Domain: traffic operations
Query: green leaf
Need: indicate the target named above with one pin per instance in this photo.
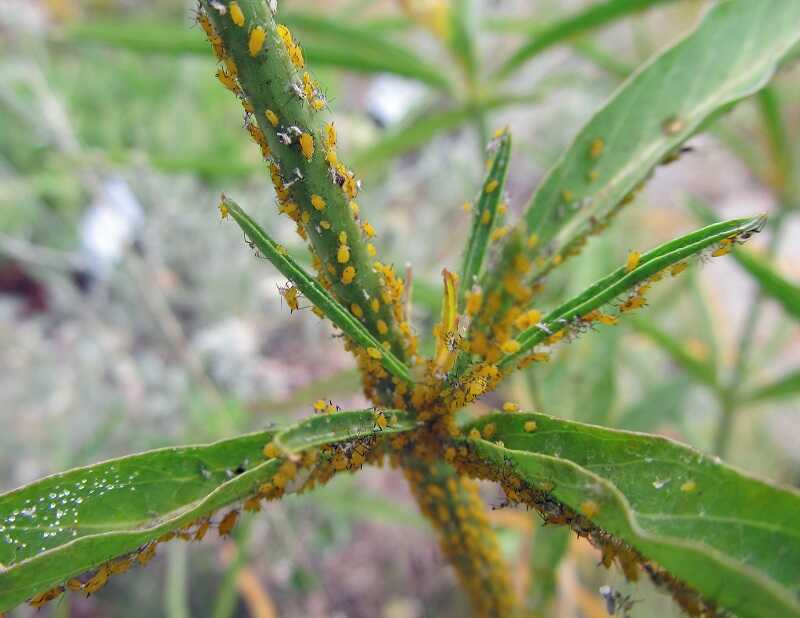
(486, 207)
(423, 127)
(697, 368)
(341, 426)
(313, 291)
(329, 43)
(771, 281)
(620, 281)
(68, 523)
(550, 545)
(660, 404)
(786, 386)
(732, 54)
(463, 33)
(594, 16)
(733, 538)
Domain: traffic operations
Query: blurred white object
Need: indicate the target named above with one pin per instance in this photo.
(389, 99)
(109, 228)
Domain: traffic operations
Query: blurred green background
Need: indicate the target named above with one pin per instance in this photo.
(131, 318)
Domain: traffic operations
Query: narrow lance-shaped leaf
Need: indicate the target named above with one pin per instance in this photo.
(423, 127)
(730, 537)
(594, 16)
(732, 54)
(624, 279)
(66, 524)
(786, 386)
(330, 42)
(313, 290)
(696, 367)
(341, 426)
(771, 281)
(483, 218)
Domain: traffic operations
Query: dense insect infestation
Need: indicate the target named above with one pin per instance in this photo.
(427, 404)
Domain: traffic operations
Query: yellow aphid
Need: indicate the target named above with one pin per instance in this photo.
(590, 508)
(343, 254)
(528, 319)
(383, 329)
(252, 504)
(321, 404)
(499, 233)
(489, 431)
(318, 104)
(342, 237)
(688, 487)
(307, 145)
(228, 81)
(228, 522)
(511, 346)
(285, 35)
(296, 56)
(380, 421)
(144, 556)
(474, 434)
(673, 125)
(375, 305)
(290, 295)
(237, 16)
(317, 202)
(348, 274)
(272, 117)
(223, 210)
(369, 231)
(356, 310)
(101, 577)
(330, 135)
(529, 426)
(632, 261)
(608, 320)
(256, 41)
(371, 250)
(271, 450)
(678, 268)
(533, 240)
(596, 147)
(510, 406)
(466, 206)
(721, 250)
(375, 353)
(486, 217)
(502, 208)
(474, 301)
(325, 224)
(634, 302)
(45, 597)
(491, 186)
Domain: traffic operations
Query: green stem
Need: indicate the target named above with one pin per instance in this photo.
(728, 397)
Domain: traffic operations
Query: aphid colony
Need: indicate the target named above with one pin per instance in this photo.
(518, 492)
(460, 520)
(338, 262)
(92, 581)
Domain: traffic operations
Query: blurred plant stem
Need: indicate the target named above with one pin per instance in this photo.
(781, 179)
(176, 593)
